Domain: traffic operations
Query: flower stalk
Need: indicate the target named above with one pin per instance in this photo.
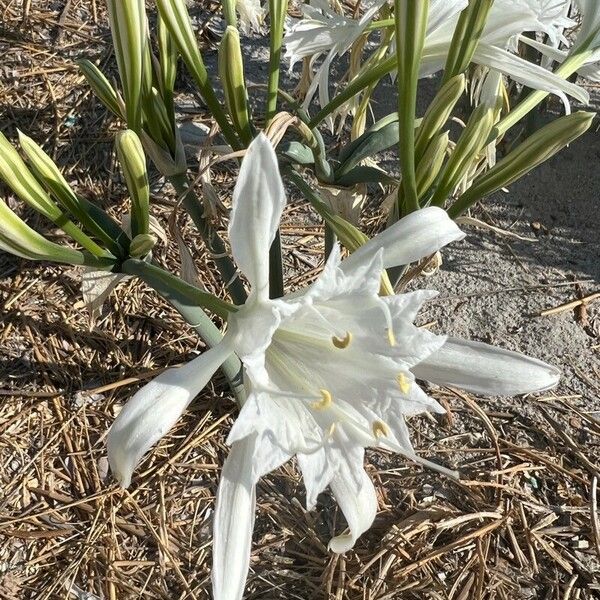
(411, 24)
(277, 14)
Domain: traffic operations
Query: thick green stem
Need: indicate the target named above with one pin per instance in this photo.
(175, 292)
(169, 284)
(213, 241)
(411, 23)
(467, 33)
(357, 85)
(277, 12)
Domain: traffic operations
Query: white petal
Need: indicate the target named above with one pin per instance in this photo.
(155, 408)
(443, 11)
(317, 473)
(257, 205)
(527, 73)
(487, 370)
(356, 497)
(419, 234)
(234, 522)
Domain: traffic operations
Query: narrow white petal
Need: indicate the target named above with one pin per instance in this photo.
(527, 73)
(234, 522)
(419, 234)
(487, 370)
(317, 472)
(356, 497)
(155, 408)
(257, 205)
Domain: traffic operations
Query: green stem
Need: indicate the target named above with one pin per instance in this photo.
(411, 23)
(277, 12)
(171, 288)
(384, 23)
(467, 33)
(330, 240)
(211, 238)
(357, 85)
(229, 12)
(82, 239)
(167, 284)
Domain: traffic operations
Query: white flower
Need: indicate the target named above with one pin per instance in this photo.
(329, 371)
(321, 30)
(587, 39)
(507, 20)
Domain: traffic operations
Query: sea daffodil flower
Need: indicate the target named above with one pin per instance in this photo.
(323, 32)
(329, 371)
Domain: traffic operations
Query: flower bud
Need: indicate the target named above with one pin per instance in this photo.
(102, 88)
(536, 149)
(128, 24)
(133, 162)
(231, 73)
(470, 144)
(18, 238)
(438, 112)
(141, 245)
(430, 164)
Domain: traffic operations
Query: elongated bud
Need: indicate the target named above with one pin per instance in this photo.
(141, 245)
(231, 73)
(430, 164)
(17, 176)
(18, 238)
(438, 112)
(93, 218)
(467, 33)
(128, 25)
(536, 149)
(133, 162)
(102, 88)
(469, 146)
(167, 57)
(176, 18)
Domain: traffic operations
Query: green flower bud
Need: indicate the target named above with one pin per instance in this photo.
(133, 162)
(438, 112)
(536, 149)
(102, 88)
(430, 164)
(18, 238)
(141, 245)
(468, 148)
(128, 24)
(231, 73)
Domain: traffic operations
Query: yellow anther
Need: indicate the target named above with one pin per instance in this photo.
(391, 337)
(324, 402)
(342, 342)
(403, 383)
(380, 429)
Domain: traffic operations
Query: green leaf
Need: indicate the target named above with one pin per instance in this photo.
(366, 174)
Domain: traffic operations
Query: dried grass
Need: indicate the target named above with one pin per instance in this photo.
(522, 523)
